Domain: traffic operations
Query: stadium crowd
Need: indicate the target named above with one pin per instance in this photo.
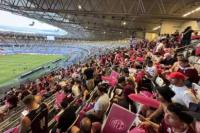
(85, 92)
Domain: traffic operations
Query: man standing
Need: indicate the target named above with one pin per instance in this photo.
(88, 76)
(35, 117)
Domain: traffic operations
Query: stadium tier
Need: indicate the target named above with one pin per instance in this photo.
(99, 66)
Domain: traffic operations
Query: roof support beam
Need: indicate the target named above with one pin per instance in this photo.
(146, 16)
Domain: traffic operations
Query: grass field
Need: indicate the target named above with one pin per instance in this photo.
(11, 66)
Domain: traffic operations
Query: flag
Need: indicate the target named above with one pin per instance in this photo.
(119, 120)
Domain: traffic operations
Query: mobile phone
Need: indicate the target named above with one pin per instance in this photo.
(25, 112)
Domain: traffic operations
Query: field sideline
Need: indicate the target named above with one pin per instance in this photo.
(11, 66)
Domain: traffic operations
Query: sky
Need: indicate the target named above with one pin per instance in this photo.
(11, 20)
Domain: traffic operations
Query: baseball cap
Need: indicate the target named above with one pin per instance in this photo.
(166, 92)
(177, 75)
(166, 55)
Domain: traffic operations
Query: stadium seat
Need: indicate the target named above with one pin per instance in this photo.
(159, 81)
(193, 59)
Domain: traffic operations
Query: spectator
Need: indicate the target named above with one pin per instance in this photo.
(69, 98)
(164, 95)
(187, 34)
(160, 46)
(159, 57)
(168, 61)
(4, 110)
(191, 74)
(183, 95)
(124, 99)
(86, 126)
(126, 73)
(66, 118)
(100, 106)
(57, 87)
(120, 86)
(75, 89)
(150, 71)
(86, 94)
(88, 76)
(36, 118)
(176, 65)
(174, 121)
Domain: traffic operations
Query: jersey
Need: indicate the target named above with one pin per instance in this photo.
(39, 119)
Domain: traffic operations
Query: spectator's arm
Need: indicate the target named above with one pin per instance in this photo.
(173, 67)
(25, 123)
(47, 106)
(169, 66)
(152, 127)
(84, 96)
(156, 113)
(84, 76)
(189, 97)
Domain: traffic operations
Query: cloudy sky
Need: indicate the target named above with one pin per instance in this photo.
(9, 19)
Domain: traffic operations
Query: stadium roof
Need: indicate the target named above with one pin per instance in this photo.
(103, 19)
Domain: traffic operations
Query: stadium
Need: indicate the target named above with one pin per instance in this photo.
(99, 66)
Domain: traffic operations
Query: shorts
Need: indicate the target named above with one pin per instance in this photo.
(90, 84)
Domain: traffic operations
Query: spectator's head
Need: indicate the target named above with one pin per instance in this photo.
(87, 65)
(78, 81)
(175, 118)
(131, 81)
(167, 56)
(85, 125)
(84, 87)
(180, 56)
(176, 78)
(150, 63)
(122, 81)
(48, 89)
(126, 72)
(30, 102)
(164, 94)
(66, 90)
(184, 62)
(158, 54)
(72, 83)
(101, 90)
(64, 104)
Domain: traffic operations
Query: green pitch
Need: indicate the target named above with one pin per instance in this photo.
(11, 66)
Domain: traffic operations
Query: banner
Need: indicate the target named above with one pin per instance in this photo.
(119, 120)
(133, 42)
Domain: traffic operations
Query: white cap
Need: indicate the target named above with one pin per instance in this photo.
(166, 55)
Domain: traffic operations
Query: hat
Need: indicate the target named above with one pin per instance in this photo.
(177, 75)
(193, 114)
(166, 55)
(166, 92)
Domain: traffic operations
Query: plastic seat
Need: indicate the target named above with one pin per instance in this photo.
(159, 81)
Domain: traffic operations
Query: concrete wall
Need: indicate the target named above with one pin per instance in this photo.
(193, 24)
(169, 27)
(151, 36)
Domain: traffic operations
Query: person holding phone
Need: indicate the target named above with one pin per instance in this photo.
(35, 118)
